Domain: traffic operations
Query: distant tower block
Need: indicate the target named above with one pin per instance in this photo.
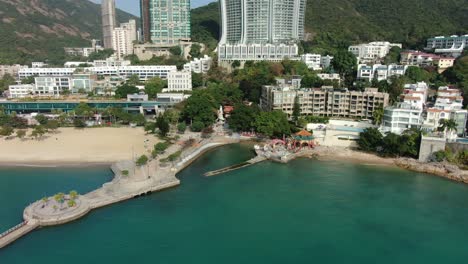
(108, 22)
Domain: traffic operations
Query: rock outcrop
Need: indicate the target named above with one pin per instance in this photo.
(441, 169)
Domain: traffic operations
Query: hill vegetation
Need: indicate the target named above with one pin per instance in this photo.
(333, 24)
(39, 29)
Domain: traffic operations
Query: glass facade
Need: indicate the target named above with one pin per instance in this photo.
(169, 21)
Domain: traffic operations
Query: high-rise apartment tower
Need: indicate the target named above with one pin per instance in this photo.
(260, 29)
(165, 21)
(262, 21)
(108, 21)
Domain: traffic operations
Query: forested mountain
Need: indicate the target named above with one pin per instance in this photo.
(39, 29)
(338, 23)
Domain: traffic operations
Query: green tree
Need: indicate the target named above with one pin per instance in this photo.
(125, 89)
(195, 51)
(154, 86)
(197, 126)
(21, 133)
(235, 64)
(52, 125)
(344, 62)
(378, 115)
(150, 127)
(100, 55)
(197, 80)
(273, 123)
(370, 139)
(38, 132)
(163, 125)
(181, 127)
(73, 195)
(296, 110)
(393, 56)
(159, 149)
(138, 119)
(447, 125)
(6, 131)
(201, 106)
(416, 74)
(176, 51)
(5, 82)
(142, 160)
(41, 119)
(79, 123)
(84, 110)
(311, 80)
(243, 117)
(133, 80)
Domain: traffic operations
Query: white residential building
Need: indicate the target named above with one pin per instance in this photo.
(448, 105)
(123, 38)
(111, 62)
(329, 76)
(38, 64)
(144, 73)
(452, 45)
(380, 72)
(408, 113)
(201, 65)
(260, 30)
(171, 97)
(20, 91)
(373, 51)
(257, 52)
(52, 86)
(179, 81)
(316, 62)
(29, 72)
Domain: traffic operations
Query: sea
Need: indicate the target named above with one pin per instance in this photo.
(306, 211)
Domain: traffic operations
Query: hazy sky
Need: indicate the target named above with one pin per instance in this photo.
(133, 6)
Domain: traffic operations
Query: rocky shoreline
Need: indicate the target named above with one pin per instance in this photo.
(441, 169)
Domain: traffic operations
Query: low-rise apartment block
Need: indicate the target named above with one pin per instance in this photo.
(324, 101)
(373, 51)
(380, 72)
(316, 62)
(179, 81)
(421, 59)
(199, 65)
(452, 45)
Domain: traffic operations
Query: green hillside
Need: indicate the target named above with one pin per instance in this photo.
(338, 23)
(38, 30)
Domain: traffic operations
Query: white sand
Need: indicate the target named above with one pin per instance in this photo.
(76, 146)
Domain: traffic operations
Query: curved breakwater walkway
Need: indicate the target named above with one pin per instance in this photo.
(130, 181)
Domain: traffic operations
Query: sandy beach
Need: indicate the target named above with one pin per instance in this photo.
(345, 154)
(70, 146)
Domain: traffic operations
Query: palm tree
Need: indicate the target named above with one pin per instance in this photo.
(447, 125)
(73, 195)
(378, 115)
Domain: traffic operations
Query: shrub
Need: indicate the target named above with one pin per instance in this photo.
(197, 126)
(142, 160)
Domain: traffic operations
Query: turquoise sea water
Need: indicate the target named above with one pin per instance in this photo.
(303, 212)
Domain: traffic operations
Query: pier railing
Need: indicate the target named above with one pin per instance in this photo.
(13, 229)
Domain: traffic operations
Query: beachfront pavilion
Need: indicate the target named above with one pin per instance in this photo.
(303, 138)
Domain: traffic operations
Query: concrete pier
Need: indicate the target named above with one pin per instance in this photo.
(136, 181)
(250, 162)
